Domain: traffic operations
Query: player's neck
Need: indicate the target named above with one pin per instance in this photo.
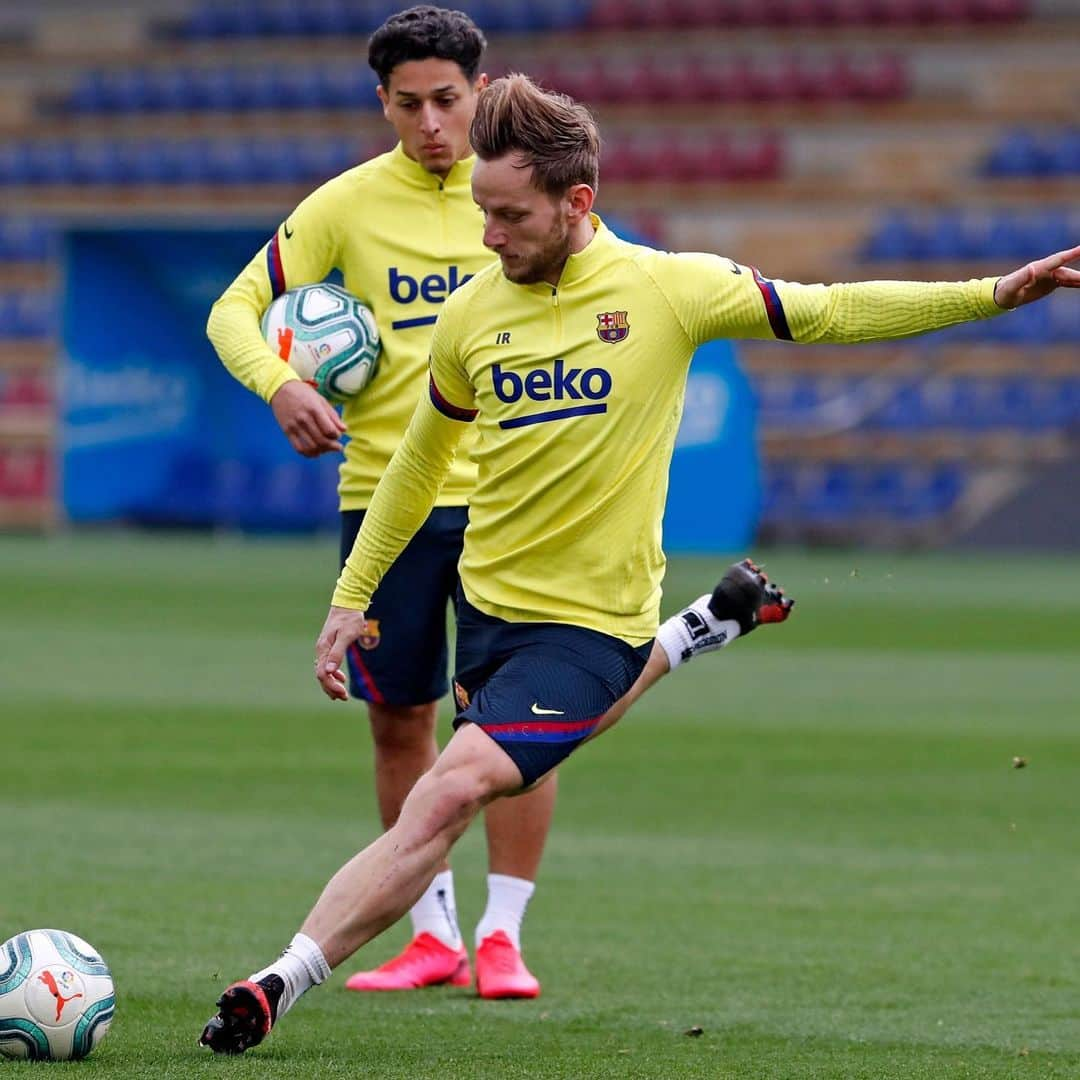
(442, 174)
(580, 237)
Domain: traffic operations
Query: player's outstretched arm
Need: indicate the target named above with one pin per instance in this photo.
(309, 421)
(1038, 279)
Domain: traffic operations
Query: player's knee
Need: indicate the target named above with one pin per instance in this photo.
(451, 798)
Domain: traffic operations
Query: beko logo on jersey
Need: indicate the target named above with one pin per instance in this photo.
(561, 383)
(432, 288)
(542, 385)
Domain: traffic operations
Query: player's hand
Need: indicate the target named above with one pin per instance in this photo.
(342, 627)
(310, 422)
(1038, 279)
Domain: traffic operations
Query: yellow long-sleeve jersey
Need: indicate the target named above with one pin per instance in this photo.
(403, 240)
(576, 393)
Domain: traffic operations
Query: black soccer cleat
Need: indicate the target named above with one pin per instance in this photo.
(246, 1013)
(746, 595)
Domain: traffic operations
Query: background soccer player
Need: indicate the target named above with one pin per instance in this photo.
(562, 564)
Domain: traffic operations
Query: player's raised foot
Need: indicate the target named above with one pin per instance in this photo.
(746, 595)
(246, 1013)
(742, 600)
(426, 961)
(500, 971)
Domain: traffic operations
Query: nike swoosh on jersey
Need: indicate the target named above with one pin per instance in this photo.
(537, 711)
(288, 232)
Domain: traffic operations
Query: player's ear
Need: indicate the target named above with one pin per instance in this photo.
(384, 99)
(481, 82)
(579, 200)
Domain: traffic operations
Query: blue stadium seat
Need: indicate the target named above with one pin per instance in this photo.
(282, 18)
(896, 238)
(26, 240)
(1063, 319)
(780, 482)
(1019, 153)
(170, 90)
(88, 93)
(950, 236)
(1049, 230)
(349, 86)
(275, 161)
(1065, 154)
(328, 18)
(27, 315)
(906, 410)
(1007, 236)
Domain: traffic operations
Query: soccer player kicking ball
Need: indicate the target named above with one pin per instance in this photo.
(570, 358)
(405, 232)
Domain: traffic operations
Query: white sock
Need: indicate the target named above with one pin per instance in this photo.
(300, 967)
(435, 912)
(693, 631)
(508, 897)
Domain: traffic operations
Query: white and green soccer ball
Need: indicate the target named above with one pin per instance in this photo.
(56, 996)
(326, 336)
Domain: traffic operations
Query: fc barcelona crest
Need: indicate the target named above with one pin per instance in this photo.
(371, 636)
(612, 326)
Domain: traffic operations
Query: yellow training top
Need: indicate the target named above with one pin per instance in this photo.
(576, 393)
(404, 240)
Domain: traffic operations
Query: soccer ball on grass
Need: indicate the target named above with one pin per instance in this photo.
(56, 996)
(326, 336)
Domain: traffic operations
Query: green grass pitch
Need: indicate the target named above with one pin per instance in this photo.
(813, 846)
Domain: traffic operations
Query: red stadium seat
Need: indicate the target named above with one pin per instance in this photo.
(755, 157)
(999, 10)
(617, 80)
(881, 78)
(608, 15)
(618, 161)
(704, 156)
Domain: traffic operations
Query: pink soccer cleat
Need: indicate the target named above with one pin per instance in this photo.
(500, 971)
(426, 961)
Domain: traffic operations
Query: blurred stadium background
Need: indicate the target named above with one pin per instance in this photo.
(817, 139)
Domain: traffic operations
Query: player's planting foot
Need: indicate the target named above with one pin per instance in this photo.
(246, 1013)
(500, 971)
(426, 961)
(743, 600)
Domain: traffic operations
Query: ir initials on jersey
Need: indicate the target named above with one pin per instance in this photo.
(502, 337)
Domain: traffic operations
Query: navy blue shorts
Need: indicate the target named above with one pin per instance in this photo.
(538, 689)
(403, 658)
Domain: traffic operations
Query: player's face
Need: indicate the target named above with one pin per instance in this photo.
(528, 229)
(430, 103)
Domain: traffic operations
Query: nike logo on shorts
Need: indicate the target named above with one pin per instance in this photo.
(537, 711)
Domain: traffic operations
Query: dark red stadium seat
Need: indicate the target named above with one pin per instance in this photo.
(608, 15)
(617, 80)
(755, 157)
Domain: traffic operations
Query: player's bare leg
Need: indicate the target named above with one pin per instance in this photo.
(517, 830)
(372, 890)
(405, 748)
(378, 885)
(743, 600)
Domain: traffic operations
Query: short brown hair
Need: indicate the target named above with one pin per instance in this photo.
(554, 134)
(423, 32)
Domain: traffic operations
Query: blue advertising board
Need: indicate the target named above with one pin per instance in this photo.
(154, 430)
